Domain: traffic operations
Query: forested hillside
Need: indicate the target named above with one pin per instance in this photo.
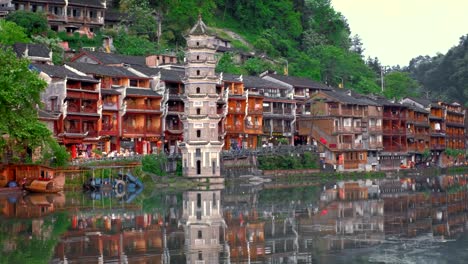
(308, 36)
(444, 76)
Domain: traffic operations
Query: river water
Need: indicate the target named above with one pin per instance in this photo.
(419, 220)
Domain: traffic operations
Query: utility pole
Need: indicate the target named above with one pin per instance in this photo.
(381, 77)
(382, 73)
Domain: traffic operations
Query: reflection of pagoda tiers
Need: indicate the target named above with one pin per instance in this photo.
(202, 220)
(201, 146)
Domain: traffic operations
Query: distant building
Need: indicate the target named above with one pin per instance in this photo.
(83, 16)
(36, 53)
(6, 7)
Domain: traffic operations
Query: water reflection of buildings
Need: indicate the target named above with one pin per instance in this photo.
(120, 234)
(441, 210)
(204, 226)
(30, 206)
(259, 224)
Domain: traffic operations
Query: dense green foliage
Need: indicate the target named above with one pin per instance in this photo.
(55, 155)
(155, 163)
(399, 84)
(34, 23)
(284, 162)
(11, 33)
(20, 128)
(444, 77)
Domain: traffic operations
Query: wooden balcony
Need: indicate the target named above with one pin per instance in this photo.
(77, 131)
(375, 129)
(234, 129)
(278, 111)
(84, 109)
(142, 108)
(236, 110)
(343, 129)
(399, 116)
(358, 146)
(256, 129)
(109, 127)
(142, 130)
(350, 164)
(53, 17)
(347, 112)
(110, 106)
(393, 148)
(343, 146)
(375, 145)
(255, 111)
(393, 131)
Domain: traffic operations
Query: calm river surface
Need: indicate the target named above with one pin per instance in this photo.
(375, 221)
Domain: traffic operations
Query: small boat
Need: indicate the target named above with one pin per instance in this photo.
(43, 186)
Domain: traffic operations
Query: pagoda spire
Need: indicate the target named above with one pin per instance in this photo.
(199, 28)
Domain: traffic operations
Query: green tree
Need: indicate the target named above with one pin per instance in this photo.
(227, 65)
(155, 163)
(55, 155)
(141, 22)
(34, 23)
(19, 96)
(399, 84)
(255, 66)
(11, 33)
(133, 45)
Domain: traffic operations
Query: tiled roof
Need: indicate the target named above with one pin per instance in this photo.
(383, 101)
(147, 70)
(61, 72)
(109, 91)
(224, 49)
(257, 82)
(111, 58)
(102, 70)
(299, 81)
(231, 77)
(421, 101)
(45, 115)
(36, 50)
(95, 3)
(144, 92)
(416, 108)
(344, 97)
(363, 98)
(57, 1)
(172, 75)
(166, 75)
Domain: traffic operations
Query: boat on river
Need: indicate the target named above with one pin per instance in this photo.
(30, 177)
(43, 186)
